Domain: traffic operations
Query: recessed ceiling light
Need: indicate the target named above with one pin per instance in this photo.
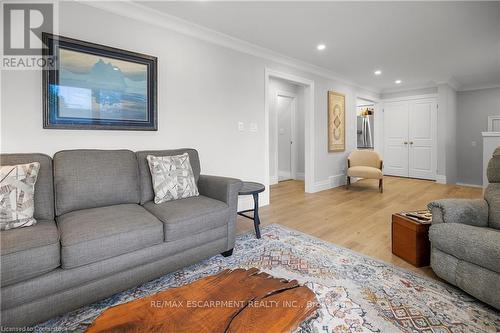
(321, 47)
(377, 72)
(398, 82)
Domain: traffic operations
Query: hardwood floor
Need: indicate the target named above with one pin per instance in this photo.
(358, 218)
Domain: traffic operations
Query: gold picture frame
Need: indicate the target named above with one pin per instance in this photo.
(336, 121)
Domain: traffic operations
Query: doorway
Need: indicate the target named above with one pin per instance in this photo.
(285, 113)
(286, 131)
(296, 94)
(365, 123)
(410, 138)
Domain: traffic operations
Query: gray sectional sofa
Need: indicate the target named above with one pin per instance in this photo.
(465, 240)
(99, 232)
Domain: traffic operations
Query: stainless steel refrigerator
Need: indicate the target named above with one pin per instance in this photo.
(365, 132)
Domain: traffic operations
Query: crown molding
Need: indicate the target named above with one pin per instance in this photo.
(479, 87)
(408, 88)
(452, 82)
(136, 11)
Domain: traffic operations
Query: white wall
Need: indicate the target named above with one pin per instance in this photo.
(447, 133)
(204, 90)
(474, 107)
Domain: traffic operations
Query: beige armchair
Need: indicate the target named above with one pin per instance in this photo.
(365, 164)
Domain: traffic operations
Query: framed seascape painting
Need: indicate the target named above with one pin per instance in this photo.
(336, 121)
(92, 86)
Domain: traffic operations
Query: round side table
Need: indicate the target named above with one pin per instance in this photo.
(252, 188)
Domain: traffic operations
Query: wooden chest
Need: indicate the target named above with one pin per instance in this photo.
(410, 240)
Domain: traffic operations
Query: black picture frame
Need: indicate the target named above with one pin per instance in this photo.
(52, 118)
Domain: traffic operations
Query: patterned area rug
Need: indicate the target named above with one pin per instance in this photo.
(357, 293)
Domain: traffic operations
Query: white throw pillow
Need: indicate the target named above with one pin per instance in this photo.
(17, 195)
(172, 177)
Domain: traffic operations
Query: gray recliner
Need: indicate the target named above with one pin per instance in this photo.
(465, 240)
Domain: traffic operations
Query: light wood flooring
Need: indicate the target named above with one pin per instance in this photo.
(358, 218)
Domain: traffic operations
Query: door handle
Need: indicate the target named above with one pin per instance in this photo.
(411, 142)
(405, 142)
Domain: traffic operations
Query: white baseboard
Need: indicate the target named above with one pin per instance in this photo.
(470, 185)
(441, 179)
(300, 176)
(321, 186)
(331, 182)
(274, 180)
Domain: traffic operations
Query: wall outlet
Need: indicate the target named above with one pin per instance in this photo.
(253, 127)
(473, 143)
(241, 126)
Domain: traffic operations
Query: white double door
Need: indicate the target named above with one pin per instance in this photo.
(410, 138)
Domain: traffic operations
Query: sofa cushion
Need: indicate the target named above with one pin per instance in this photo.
(44, 190)
(364, 172)
(29, 252)
(95, 178)
(17, 195)
(147, 193)
(172, 177)
(184, 217)
(478, 245)
(95, 234)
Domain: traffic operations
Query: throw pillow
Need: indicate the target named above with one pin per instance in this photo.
(172, 177)
(17, 195)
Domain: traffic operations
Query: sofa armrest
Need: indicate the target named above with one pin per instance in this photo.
(220, 188)
(226, 190)
(465, 211)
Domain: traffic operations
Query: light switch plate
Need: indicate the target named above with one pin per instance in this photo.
(253, 127)
(241, 126)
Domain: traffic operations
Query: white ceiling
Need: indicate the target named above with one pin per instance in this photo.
(421, 43)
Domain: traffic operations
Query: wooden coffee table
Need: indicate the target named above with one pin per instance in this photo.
(237, 300)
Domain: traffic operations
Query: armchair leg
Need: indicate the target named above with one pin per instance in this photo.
(381, 185)
(227, 253)
(348, 183)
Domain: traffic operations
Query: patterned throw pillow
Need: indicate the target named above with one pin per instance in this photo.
(172, 177)
(17, 195)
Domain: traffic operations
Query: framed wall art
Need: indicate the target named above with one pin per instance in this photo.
(336, 121)
(92, 86)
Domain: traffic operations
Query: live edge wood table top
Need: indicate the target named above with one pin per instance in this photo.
(237, 300)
